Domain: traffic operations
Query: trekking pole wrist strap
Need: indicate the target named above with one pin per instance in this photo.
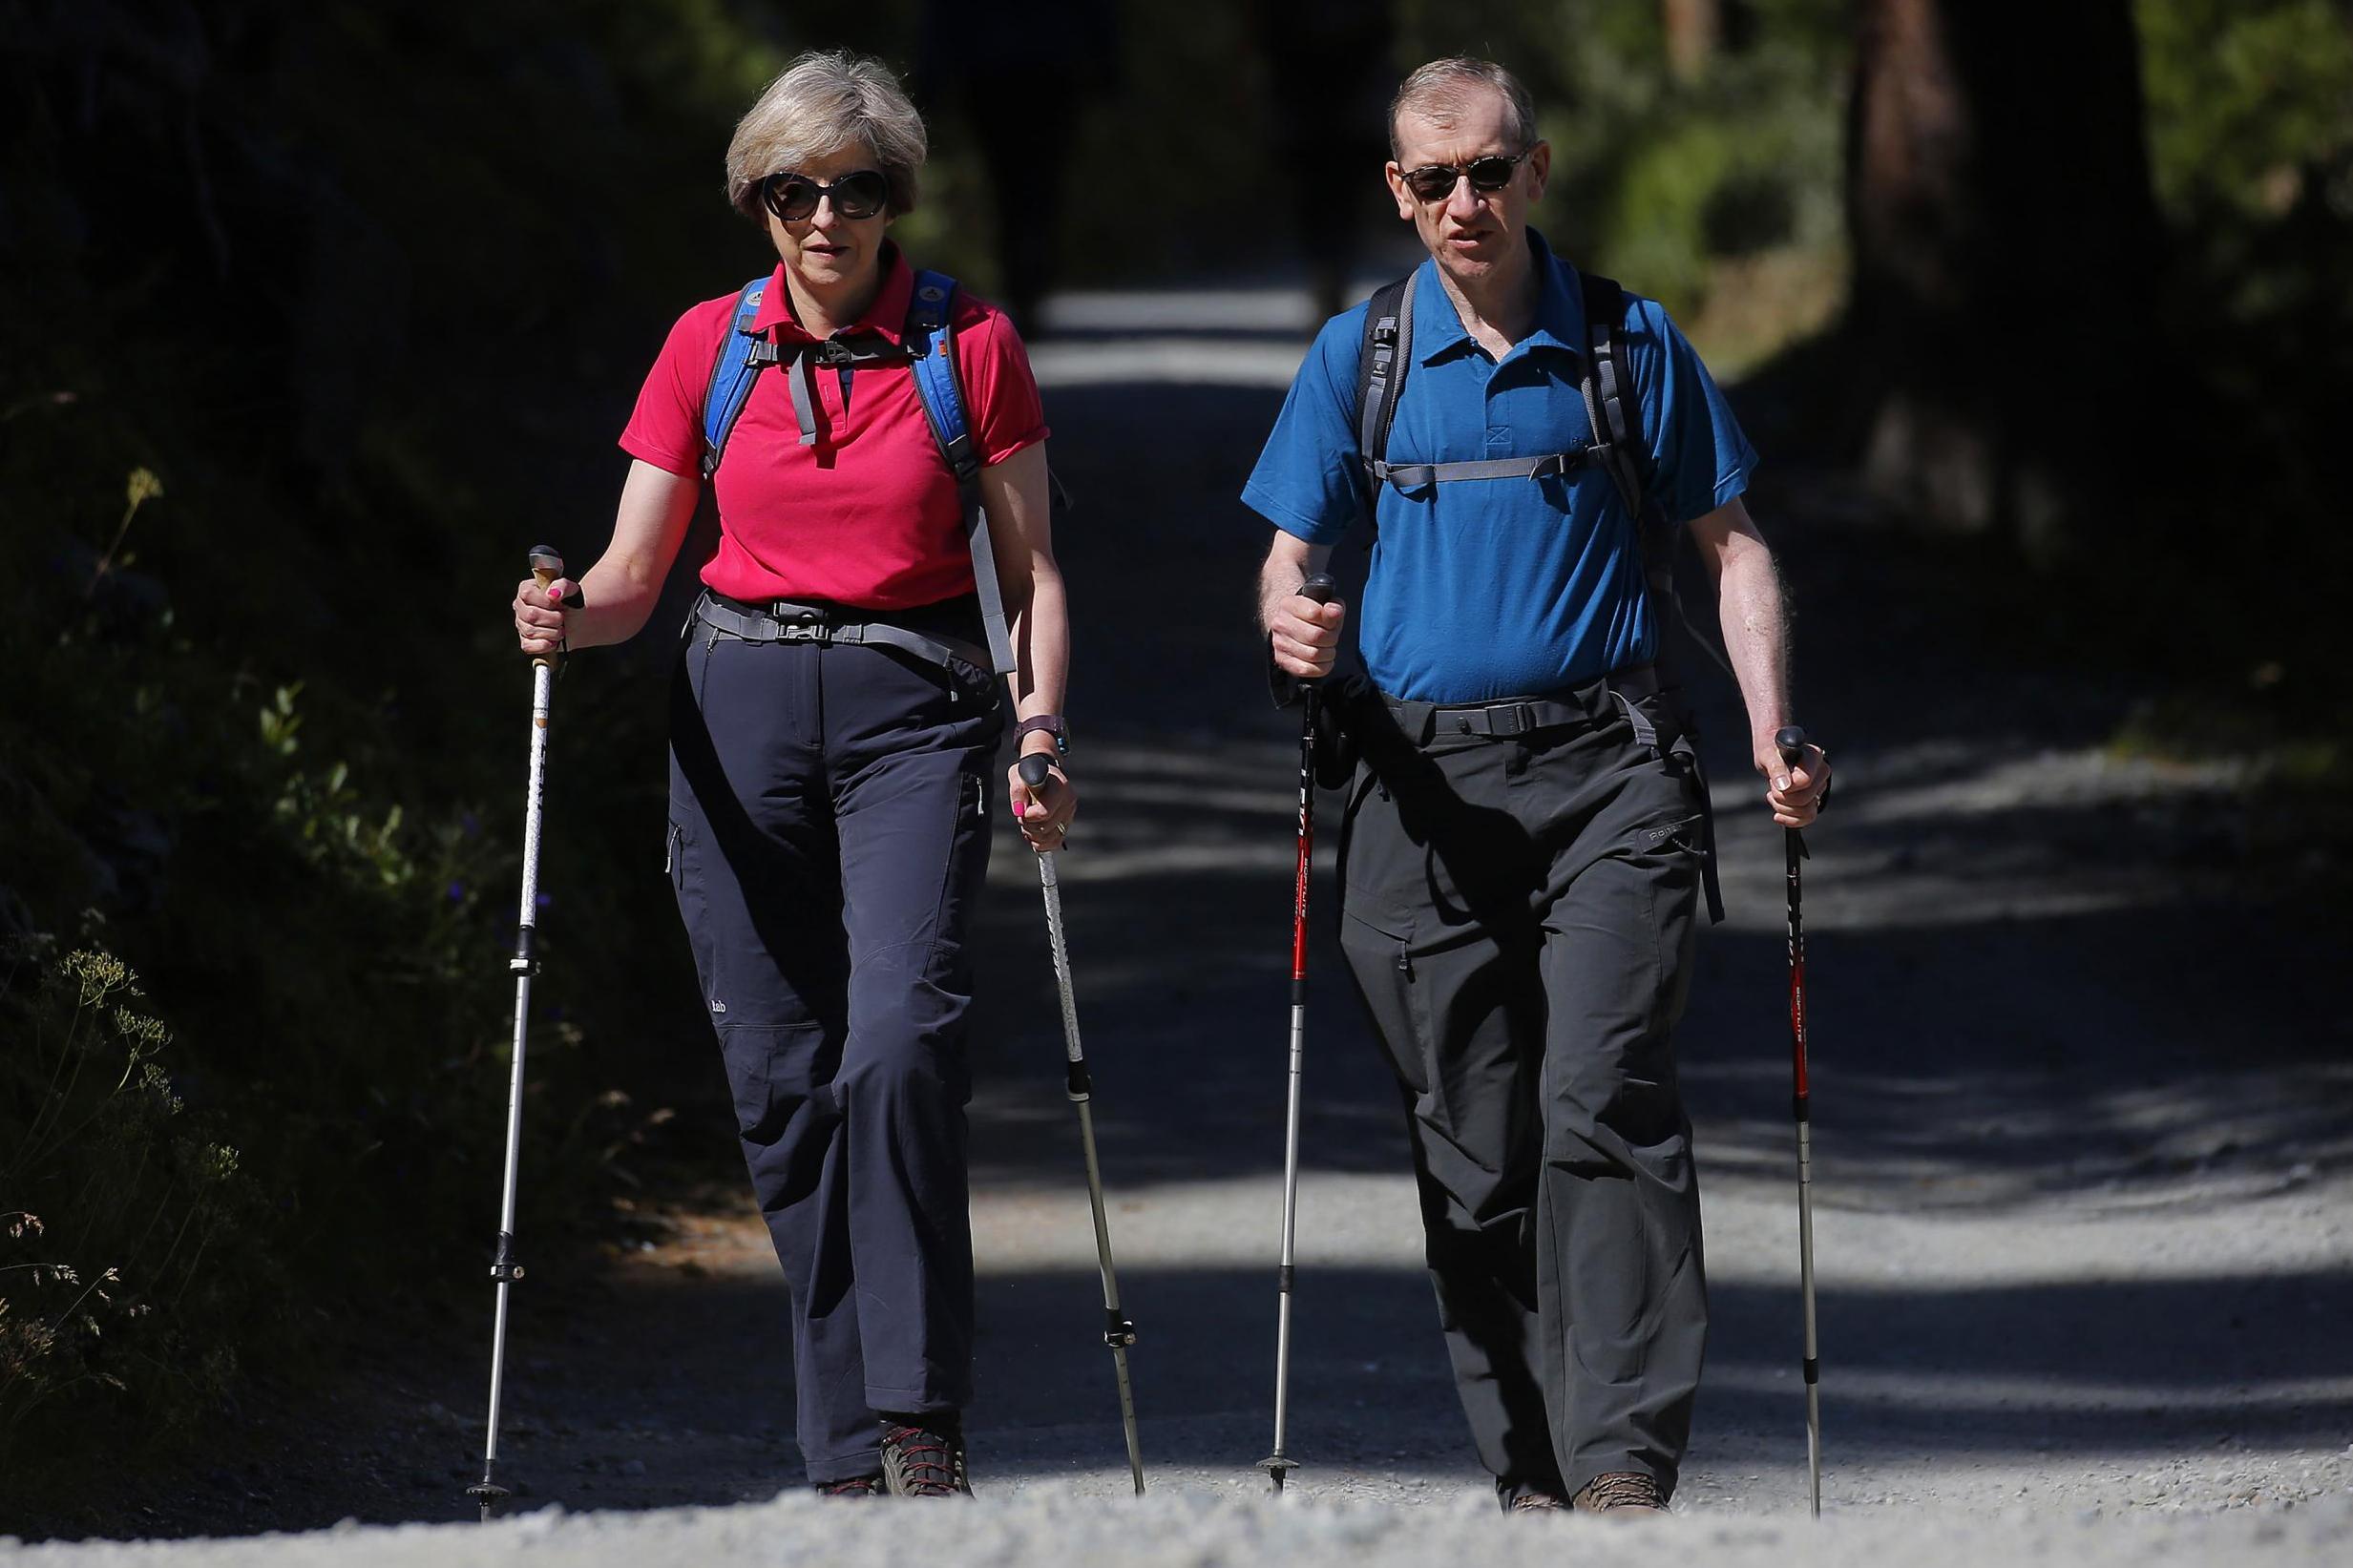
(1045, 723)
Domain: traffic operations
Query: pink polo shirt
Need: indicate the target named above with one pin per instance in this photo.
(868, 515)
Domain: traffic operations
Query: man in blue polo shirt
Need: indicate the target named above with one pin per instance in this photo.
(1527, 845)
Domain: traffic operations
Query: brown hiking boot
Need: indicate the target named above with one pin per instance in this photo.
(923, 1456)
(855, 1486)
(1535, 1500)
(1627, 1491)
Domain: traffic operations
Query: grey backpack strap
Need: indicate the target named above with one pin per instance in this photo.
(1617, 431)
(1414, 475)
(930, 340)
(1613, 403)
(1381, 364)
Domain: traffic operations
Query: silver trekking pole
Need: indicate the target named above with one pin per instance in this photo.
(1279, 1465)
(1118, 1333)
(1790, 743)
(546, 566)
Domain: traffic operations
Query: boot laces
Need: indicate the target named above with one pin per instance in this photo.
(855, 1486)
(1620, 1489)
(929, 1463)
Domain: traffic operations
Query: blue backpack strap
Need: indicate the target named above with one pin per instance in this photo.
(931, 341)
(743, 354)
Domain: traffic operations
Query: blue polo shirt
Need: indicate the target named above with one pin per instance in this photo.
(1483, 589)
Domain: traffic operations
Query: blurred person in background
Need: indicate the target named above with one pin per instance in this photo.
(1328, 76)
(1018, 71)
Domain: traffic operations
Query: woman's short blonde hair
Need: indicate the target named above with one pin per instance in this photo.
(824, 101)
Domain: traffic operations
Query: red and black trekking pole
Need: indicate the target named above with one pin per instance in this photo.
(1278, 1465)
(1790, 743)
(546, 566)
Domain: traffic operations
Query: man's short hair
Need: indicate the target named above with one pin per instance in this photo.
(827, 100)
(1439, 91)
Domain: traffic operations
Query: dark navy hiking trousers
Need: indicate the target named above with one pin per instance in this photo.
(1518, 913)
(829, 834)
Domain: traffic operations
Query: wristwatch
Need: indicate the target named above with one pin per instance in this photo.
(1049, 724)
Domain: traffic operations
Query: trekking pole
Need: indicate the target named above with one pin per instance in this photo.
(1118, 1333)
(1278, 1465)
(1790, 743)
(546, 566)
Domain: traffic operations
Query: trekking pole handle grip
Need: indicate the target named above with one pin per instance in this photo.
(1791, 743)
(547, 564)
(1320, 588)
(1035, 768)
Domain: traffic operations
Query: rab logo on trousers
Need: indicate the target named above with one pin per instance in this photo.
(718, 1006)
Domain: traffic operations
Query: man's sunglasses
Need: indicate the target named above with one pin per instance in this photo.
(1435, 181)
(795, 198)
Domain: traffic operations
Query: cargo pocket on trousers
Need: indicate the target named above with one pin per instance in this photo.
(1378, 946)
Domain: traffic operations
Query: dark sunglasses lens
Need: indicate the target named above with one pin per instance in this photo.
(791, 197)
(1491, 174)
(860, 194)
(1431, 184)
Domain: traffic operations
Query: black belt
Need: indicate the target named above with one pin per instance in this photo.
(1597, 703)
(794, 620)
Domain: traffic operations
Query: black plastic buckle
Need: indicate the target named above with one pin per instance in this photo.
(799, 623)
(1515, 718)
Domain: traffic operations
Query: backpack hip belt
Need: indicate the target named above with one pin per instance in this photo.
(789, 620)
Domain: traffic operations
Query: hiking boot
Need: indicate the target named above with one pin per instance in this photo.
(855, 1486)
(1627, 1491)
(923, 1455)
(1516, 1496)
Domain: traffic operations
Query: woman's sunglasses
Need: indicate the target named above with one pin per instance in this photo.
(1435, 181)
(795, 198)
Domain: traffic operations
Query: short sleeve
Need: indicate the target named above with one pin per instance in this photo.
(665, 428)
(1306, 483)
(1001, 391)
(1699, 458)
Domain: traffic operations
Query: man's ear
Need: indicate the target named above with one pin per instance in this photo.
(1397, 193)
(1539, 168)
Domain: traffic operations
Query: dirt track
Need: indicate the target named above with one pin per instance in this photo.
(2084, 1141)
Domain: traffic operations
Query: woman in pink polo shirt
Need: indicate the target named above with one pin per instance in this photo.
(832, 728)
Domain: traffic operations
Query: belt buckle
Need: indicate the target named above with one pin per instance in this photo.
(1510, 719)
(801, 625)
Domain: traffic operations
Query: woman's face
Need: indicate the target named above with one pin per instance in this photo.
(826, 251)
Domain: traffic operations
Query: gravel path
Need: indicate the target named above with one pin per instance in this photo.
(2083, 1149)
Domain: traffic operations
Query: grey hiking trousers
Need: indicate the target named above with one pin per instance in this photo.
(1518, 912)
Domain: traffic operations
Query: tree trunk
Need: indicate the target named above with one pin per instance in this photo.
(1694, 30)
(2006, 252)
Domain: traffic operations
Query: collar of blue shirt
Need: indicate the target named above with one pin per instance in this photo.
(1560, 310)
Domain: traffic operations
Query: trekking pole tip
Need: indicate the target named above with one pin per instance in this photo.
(1790, 743)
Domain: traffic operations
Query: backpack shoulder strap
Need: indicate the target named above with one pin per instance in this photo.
(1622, 451)
(1618, 445)
(1607, 385)
(930, 342)
(734, 368)
(1382, 358)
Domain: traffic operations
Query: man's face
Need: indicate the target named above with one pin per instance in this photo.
(1470, 232)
